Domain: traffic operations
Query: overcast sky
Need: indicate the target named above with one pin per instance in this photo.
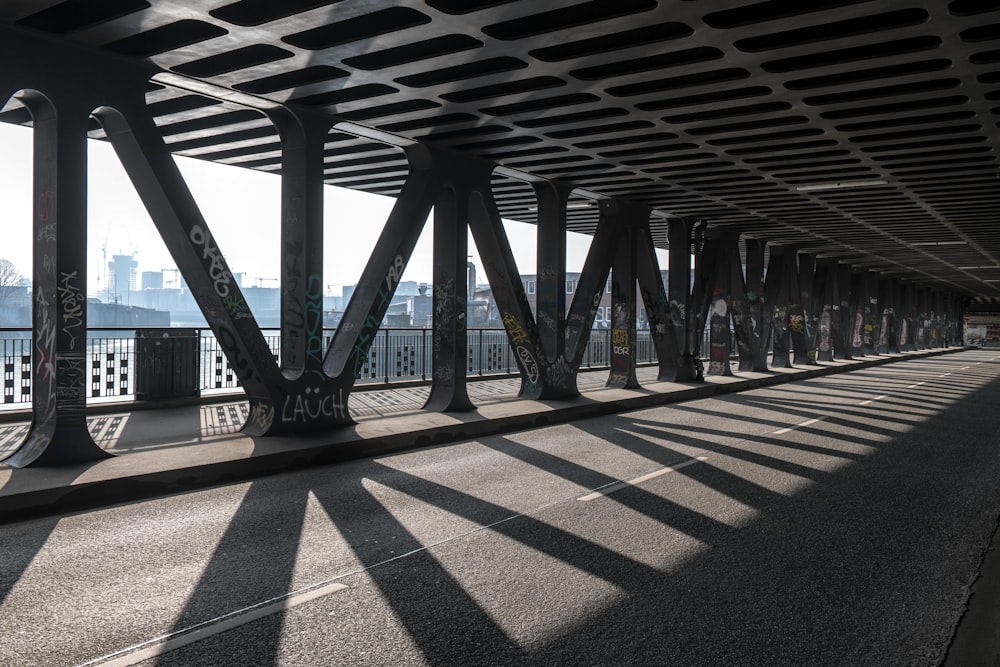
(242, 208)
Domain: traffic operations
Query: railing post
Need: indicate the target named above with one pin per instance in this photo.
(385, 356)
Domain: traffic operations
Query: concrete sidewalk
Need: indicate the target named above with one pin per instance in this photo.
(162, 451)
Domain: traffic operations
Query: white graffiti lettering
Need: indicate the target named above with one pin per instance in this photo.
(72, 302)
(221, 278)
(529, 363)
(311, 404)
(394, 273)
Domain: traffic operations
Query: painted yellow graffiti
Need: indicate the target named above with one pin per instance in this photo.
(518, 336)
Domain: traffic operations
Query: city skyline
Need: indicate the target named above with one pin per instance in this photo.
(232, 200)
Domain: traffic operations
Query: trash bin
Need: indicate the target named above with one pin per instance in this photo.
(166, 363)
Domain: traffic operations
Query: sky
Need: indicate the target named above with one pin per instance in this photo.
(242, 209)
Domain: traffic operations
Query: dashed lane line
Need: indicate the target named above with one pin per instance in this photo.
(160, 645)
(808, 422)
(872, 400)
(618, 486)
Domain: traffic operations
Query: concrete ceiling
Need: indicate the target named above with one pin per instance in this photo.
(863, 130)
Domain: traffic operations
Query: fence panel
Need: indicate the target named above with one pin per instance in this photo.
(396, 355)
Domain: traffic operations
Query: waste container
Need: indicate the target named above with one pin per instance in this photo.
(166, 363)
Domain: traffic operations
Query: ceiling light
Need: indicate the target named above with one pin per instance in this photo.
(939, 243)
(973, 268)
(841, 185)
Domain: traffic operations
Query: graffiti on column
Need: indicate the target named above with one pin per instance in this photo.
(868, 335)
(261, 417)
(825, 322)
(230, 345)
(220, 276)
(883, 335)
(856, 333)
(45, 341)
(312, 404)
(73, 303)
(521, 341)
(546, 287)
(718, 355)
(444, 336)
(904, 332)
(780, 336)
(294, 317)
(314, 323)
(237, 307)
(71, 384)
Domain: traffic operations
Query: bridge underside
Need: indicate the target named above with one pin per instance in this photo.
(832, 171)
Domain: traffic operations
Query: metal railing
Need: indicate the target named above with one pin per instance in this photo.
(396, 355)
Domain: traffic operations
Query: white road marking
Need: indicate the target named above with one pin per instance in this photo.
(175, 640)
(618, 486)
(914, 386)
(872, 400)
(792, 428)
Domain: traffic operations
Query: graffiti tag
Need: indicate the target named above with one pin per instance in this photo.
(220, 276)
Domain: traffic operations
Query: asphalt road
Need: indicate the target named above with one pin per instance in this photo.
(833, 521)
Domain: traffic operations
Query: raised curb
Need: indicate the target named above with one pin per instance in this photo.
(73, 496)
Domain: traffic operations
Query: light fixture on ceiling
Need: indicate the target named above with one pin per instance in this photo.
(840, 185)
(571, 205)
(923, 243)
(974, 268)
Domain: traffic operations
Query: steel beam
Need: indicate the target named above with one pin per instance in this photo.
(302, 140)
(859, 306)
(58, 433)
(473, 185)
(659, 313)
(808, 297)
(623, 295)
(721, 244)
(798, 318)
(873, 314)
(776, 298)
(824, 300)
(679, 239)
(755, 325)
(844, 343)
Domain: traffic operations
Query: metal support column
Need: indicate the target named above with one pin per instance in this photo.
(451, 247)
(843, 347)
(776, 298)
(859, 308)
(807, 301)
(799, 324)
(873, 314)
(623, 297)
(303, 137)
(58, 434)
(553, 197)
(825, 287)
(679, 239)
(759, 327)
(654, 296)
(720, 337)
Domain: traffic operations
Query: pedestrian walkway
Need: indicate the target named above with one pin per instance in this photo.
(158, 451)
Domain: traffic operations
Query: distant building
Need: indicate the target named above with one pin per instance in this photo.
(121, 278)
(152, 280)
